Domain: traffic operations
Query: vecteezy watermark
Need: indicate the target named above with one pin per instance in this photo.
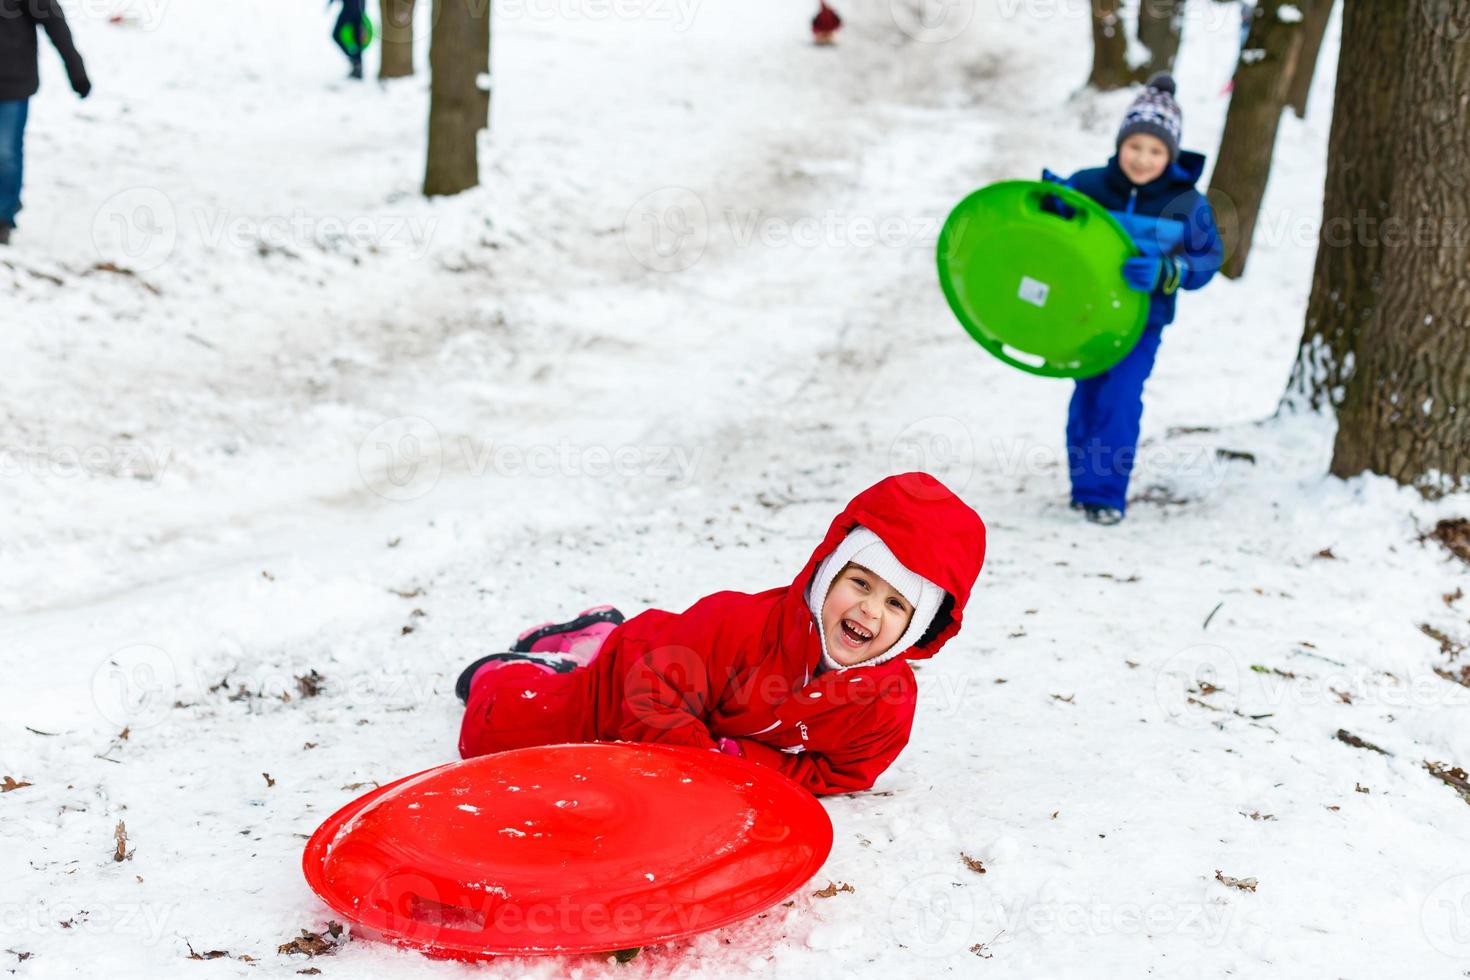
(137, 460)
(945, 447)
(1187, 684)
(938, 916)
(143, 922)
(1205, 685)
(423, 910)
(146, 15)
(679, 13)
(135, 687)
(1445, 917)
(670, 229)
(932, 21)
(933, 916)
(1192, 17)
(667, 230)
(831, 229)
(672, 463)
(939, 445)
(138, 227)
(328, 233)
(403, 458)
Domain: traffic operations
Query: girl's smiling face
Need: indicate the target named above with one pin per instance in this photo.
(862, 616)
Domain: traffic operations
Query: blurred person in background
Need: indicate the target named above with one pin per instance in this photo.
(19, 80)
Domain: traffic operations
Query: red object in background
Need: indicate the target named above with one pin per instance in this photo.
(825, 24)
(567, 848)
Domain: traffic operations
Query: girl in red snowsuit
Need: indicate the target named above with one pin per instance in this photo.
(812, 679)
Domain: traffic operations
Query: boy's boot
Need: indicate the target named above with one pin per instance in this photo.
(1102, 514)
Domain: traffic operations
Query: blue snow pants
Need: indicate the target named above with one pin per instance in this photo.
(1102, 426)
(13, 114)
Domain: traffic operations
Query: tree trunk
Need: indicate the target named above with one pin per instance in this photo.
(482, 57)
(1314, 31)
(457, 59)
(397, 36)
(1109, 47)
(1360, 178)
(1160, 27)
(1244, 162)
(1406, 411)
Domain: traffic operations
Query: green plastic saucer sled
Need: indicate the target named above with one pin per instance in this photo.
(1041, 291)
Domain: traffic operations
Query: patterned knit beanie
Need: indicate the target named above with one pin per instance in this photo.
(1156, 113)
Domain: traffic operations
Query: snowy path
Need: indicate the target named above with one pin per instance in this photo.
(785, 352)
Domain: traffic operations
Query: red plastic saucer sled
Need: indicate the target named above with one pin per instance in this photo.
(566, 849)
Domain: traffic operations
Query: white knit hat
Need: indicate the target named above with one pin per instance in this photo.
(865, 548)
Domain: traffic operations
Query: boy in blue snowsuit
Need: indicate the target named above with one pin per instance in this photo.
(1149, 187)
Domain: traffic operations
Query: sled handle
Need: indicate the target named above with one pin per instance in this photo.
(1034, 202)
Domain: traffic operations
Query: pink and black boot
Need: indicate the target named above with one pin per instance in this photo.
(557, 647)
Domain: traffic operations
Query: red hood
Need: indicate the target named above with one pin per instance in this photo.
(928, 528)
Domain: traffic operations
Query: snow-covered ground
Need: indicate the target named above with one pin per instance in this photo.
(269, 412)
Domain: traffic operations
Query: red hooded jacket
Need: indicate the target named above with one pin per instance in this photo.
(736, 665)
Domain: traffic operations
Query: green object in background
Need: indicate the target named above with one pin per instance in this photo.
(1041, 291)
(355, 42)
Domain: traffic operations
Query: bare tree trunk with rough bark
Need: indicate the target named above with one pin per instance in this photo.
(1360, 179)
(1314, 32)
(397, 35)
(1243, 165)
(1160, 29)
(1110, 68)
(1406, 411)
(457, 58)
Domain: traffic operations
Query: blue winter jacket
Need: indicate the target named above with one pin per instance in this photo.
(1165, 217)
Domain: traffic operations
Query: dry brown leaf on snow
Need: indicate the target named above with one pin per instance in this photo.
(310, 684)
(1244, 884)
(314, 943)
(10, 784)
(1462, 678)
(974, 864)
(1452, 776)
(1454, 534)
(120, 835)
(213, 954)
(832, 889)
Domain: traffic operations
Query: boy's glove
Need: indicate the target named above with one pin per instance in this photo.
(1053, 203)
(1147, 274)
